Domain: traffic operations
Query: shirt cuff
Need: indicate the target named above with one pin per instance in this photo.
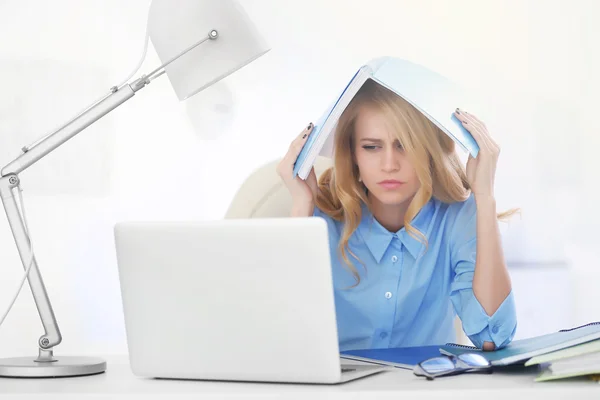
(499, 328)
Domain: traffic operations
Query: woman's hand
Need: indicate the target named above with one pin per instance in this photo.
(481, 171)
(303, 192)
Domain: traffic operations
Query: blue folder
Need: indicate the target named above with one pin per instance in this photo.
(400, 357)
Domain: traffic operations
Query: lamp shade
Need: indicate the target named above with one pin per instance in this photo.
(174, 26)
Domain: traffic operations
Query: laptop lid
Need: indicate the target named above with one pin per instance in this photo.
(239, 299)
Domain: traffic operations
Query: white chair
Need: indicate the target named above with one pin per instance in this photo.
(263, 195)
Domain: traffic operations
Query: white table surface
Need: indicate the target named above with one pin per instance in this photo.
(119, 383)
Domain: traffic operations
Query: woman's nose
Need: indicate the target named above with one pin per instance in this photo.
(390, 160)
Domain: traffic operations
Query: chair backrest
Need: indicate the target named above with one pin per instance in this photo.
(263, 194)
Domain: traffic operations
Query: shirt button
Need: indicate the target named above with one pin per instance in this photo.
(394, 259)
(388, 295)
(495, 329)
(383, 335)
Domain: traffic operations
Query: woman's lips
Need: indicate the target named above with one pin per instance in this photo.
(390, 184)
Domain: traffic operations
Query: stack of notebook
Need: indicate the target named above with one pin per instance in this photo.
(583, 359)
(564, 354)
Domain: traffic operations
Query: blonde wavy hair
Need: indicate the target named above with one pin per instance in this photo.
(431, 152)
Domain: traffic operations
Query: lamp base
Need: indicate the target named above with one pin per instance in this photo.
(29, 367)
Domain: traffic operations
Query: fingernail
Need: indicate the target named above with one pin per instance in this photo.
(310, 126)
(304, 135)
(458, 111)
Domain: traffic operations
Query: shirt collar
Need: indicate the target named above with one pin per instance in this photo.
(378, 239)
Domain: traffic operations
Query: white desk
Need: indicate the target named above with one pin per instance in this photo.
(119, 383)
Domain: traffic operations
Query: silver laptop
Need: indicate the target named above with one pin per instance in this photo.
(241, 300)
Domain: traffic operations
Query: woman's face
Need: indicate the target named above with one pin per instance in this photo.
(383, 166)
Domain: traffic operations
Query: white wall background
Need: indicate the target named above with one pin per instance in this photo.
(532, 63)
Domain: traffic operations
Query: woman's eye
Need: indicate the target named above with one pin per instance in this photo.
(369, 147)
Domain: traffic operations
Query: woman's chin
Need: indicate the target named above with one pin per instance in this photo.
(391, 197)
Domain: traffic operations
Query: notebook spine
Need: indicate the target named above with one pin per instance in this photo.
(579, 327)
(462, 346)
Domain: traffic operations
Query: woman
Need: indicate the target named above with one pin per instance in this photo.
(414, 237)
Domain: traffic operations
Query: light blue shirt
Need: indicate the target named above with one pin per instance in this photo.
(408, 296)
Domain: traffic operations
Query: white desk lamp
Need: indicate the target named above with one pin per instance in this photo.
(229, 41)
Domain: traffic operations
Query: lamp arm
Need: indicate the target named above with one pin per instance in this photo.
(9, 180)
(41, 149)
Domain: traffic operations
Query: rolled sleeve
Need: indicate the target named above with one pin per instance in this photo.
(480, 327)
(498, 328)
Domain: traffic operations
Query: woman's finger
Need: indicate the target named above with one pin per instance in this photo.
(477, 129)
(464, 116)
(485, 131)
(473, 129)
(303, 135)
(297, 145)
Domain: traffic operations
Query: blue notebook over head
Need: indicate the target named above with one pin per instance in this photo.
(400, 357)
(432, 94)
(519, 351)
